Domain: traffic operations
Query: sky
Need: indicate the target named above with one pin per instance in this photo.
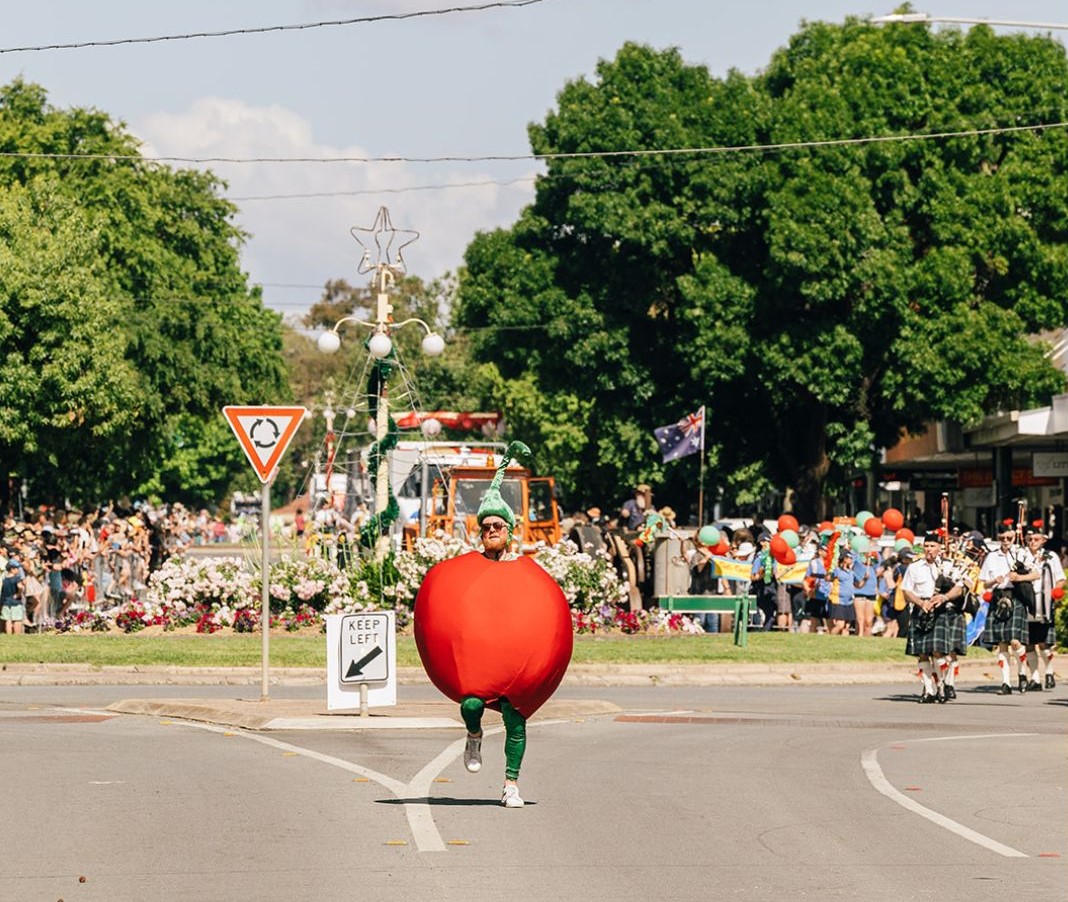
(458, 84)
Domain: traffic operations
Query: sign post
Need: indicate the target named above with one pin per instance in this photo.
(264, 434)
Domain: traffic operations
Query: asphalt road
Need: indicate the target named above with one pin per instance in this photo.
(755, 793)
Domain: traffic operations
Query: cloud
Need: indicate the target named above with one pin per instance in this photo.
(306, 241)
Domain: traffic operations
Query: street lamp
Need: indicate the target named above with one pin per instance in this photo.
(387, 265)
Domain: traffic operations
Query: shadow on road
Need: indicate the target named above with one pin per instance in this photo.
(444, 800)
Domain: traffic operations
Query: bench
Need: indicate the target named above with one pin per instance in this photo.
(738, 605)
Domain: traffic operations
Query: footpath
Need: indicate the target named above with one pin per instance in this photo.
(252, 713)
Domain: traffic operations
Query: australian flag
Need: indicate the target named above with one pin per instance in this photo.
(687, 436)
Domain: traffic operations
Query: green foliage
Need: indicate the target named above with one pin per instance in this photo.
(816, 300)
(179, 328)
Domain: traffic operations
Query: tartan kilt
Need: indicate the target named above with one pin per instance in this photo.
(1041, 633)
(1006, 630)
(919, 642)
(949, 633)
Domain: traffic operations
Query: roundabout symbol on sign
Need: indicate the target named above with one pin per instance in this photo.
(256, 426)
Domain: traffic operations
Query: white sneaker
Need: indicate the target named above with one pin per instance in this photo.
(473, 754)
(510, 797)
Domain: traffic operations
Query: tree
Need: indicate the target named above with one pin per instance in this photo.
(818, 299)
(194, 336)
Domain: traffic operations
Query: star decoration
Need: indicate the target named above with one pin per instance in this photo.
(388, 243)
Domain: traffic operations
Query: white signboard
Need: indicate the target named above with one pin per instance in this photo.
(1049, 463)
(361, 650)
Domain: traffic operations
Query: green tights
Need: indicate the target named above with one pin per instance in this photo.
(515, 731)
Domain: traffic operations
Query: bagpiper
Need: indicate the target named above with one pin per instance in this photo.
(936, 626)
(1009, 573)
(1049, 588)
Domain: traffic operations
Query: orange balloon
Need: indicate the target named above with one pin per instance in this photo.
(905, 533)
(826, 525)
(789, 558)
(778, 546)
(893, 518)
(721, 547)
(874, 527)
(788, 521)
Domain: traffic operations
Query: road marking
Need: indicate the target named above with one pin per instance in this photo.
(869, 761)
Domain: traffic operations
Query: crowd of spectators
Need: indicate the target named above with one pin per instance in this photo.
(57, 559)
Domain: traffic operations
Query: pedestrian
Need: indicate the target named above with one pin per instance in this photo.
(496, 520)
(1041, 630)
(840, 608)
(12, 610)
(924, 585)
(1004, 572)
(866, 581)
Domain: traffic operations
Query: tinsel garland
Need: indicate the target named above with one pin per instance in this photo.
(381, 520)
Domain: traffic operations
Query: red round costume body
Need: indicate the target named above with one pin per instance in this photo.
(493, 629)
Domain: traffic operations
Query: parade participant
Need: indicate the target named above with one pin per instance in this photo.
(634, 509)
(1004, 571)
(12, 612)
(1041, 638)
(817, 584)
(932, 625)
(493, 629)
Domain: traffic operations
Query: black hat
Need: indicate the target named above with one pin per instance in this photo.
(932, 537)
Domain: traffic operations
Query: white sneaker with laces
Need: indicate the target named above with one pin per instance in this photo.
(473, 754)
(510, 796)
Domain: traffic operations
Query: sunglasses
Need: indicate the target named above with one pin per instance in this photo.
(494, 527)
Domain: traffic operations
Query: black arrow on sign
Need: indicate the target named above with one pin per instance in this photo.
(356, 667)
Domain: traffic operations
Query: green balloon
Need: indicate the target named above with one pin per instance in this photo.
(863, 517)
(902, 544)
(790, 537)
(859, 544)
(709, 536)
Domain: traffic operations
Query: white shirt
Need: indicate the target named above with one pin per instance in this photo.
(920, 577)
(999, 564)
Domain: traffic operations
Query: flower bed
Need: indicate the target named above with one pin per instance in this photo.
(223, 593)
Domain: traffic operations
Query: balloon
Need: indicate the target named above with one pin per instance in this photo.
(790, 537)
(902, 544)
(988, 595)
(709, 536)
(788, 521)
(493, 629)
(863, 517)
(826, 526)
(893, 519)
(859, 544)
(778, 546)
(873, 526)
(721, 547)
(1058, 593)
(907, 534)
(790, 557)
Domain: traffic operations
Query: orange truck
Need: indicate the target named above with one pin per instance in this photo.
(439, 487)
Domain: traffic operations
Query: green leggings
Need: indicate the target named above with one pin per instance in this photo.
(515, 731)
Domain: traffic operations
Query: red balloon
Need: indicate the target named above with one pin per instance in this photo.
(493, 629)
(988, 595)
(788, 521)
(826, 526)
(790, 557)
(893, 518)
(905, 533)
(778, 546)
(874, 527)
(1058, 593)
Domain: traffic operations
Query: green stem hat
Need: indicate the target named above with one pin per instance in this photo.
(492, 502)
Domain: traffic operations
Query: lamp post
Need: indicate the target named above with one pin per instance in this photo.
(386, 266)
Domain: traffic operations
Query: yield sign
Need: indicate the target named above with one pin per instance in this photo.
(264, 433)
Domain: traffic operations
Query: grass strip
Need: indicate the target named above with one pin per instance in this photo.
(242, 650)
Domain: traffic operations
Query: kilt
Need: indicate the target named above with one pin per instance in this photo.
(920, 641)
(1041, 634)
(949, 632)
(1006, 630)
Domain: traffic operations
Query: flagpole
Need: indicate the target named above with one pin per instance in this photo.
(701, 477)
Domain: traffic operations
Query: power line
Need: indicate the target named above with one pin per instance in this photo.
(577, 155)
(404, 190)
(232, 32)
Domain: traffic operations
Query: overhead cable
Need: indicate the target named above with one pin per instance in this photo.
(577, 155)
(305, 26)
